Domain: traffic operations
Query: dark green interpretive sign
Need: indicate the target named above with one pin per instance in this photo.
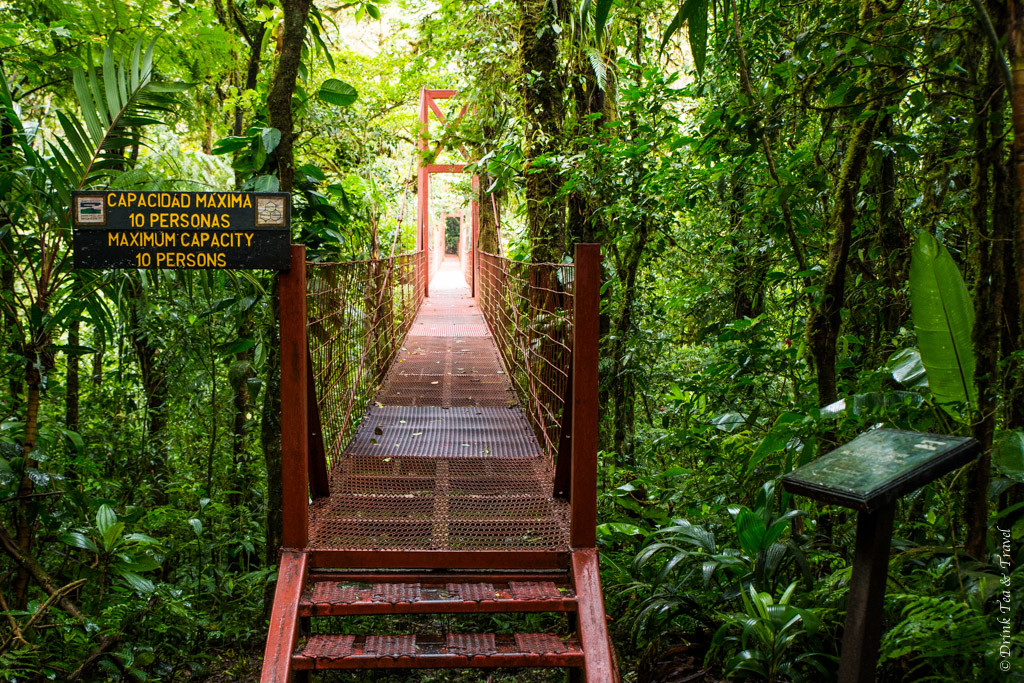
(880, 466)
(869, 474)
(211, 230)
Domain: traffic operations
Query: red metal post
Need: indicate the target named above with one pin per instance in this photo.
(423, 191)
(586, 330)
(283, 634)
(294, 406)
(445, 168)
(599, 658)
(473, 246)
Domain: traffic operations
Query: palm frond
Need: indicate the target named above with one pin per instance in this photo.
(117, 101)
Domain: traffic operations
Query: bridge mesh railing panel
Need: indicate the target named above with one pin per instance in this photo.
(358, 315)
(529, 308)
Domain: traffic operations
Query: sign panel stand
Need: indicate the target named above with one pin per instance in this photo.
(870, 474)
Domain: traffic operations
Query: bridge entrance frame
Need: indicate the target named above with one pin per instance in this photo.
(429, 109)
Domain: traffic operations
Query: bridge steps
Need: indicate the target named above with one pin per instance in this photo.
(339, 594)
(454, 650)
(433, 595)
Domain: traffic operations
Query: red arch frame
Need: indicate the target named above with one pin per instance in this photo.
(429, 108)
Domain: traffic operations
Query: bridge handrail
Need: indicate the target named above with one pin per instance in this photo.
(358, 313)
(529, 308)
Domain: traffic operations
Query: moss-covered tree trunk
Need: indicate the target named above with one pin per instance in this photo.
(623, 384)
(893, 242)
(1016, 43)
(991, 221)
(592, 111)
(543, 112)
(279, 106)
(490, 216)
(825, 319)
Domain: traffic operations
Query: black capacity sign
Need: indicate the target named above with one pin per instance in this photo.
(235, 230)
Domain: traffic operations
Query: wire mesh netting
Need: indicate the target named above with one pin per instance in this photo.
(529, 308)
(445, 458)
(359, 313)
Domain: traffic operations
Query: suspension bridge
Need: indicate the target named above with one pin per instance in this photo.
(439, 449)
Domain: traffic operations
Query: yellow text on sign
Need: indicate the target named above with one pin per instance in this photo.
(229, 240)
(179, 200)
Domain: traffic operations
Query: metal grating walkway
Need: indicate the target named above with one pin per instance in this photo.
(444, 459)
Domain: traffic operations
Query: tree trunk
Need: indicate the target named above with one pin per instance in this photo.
(270, 433)
(11, 341)
(623, 386)
(97, 365)
(543, 111)
(279, 101)
(252, 73)
(748, 271)
(71, 394)
(490, 217)
(10, 328)
(279, 106)
(824, 321)
(989, 287)
(154, 385)
(893, 242)
(238, 377)
(1016, 26)
(583, 222)
(25, 517)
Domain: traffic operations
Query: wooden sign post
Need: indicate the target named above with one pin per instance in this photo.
(206, 230)
(869, 475)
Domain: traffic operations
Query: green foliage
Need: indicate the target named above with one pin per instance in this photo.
(676, 555)
(126, 556)
(934, 629)
(116, 108)
(768, 646)
(1008, 454)
(708, 389)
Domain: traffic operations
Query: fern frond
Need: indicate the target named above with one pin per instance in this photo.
(598, 65)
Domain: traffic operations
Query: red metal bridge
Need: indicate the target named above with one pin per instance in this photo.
(439, 457)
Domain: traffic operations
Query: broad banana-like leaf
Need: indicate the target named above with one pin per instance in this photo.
(943, 318)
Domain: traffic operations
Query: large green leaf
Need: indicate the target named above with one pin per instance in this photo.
(1008, 454)
(77, 539)
(907, 369)
(698, 29)
(943, 318)
(105, 518)
(338, 93)
(140, 584)
(601, 10)
(693, 13)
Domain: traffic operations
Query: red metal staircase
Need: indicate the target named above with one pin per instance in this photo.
(307, 595)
